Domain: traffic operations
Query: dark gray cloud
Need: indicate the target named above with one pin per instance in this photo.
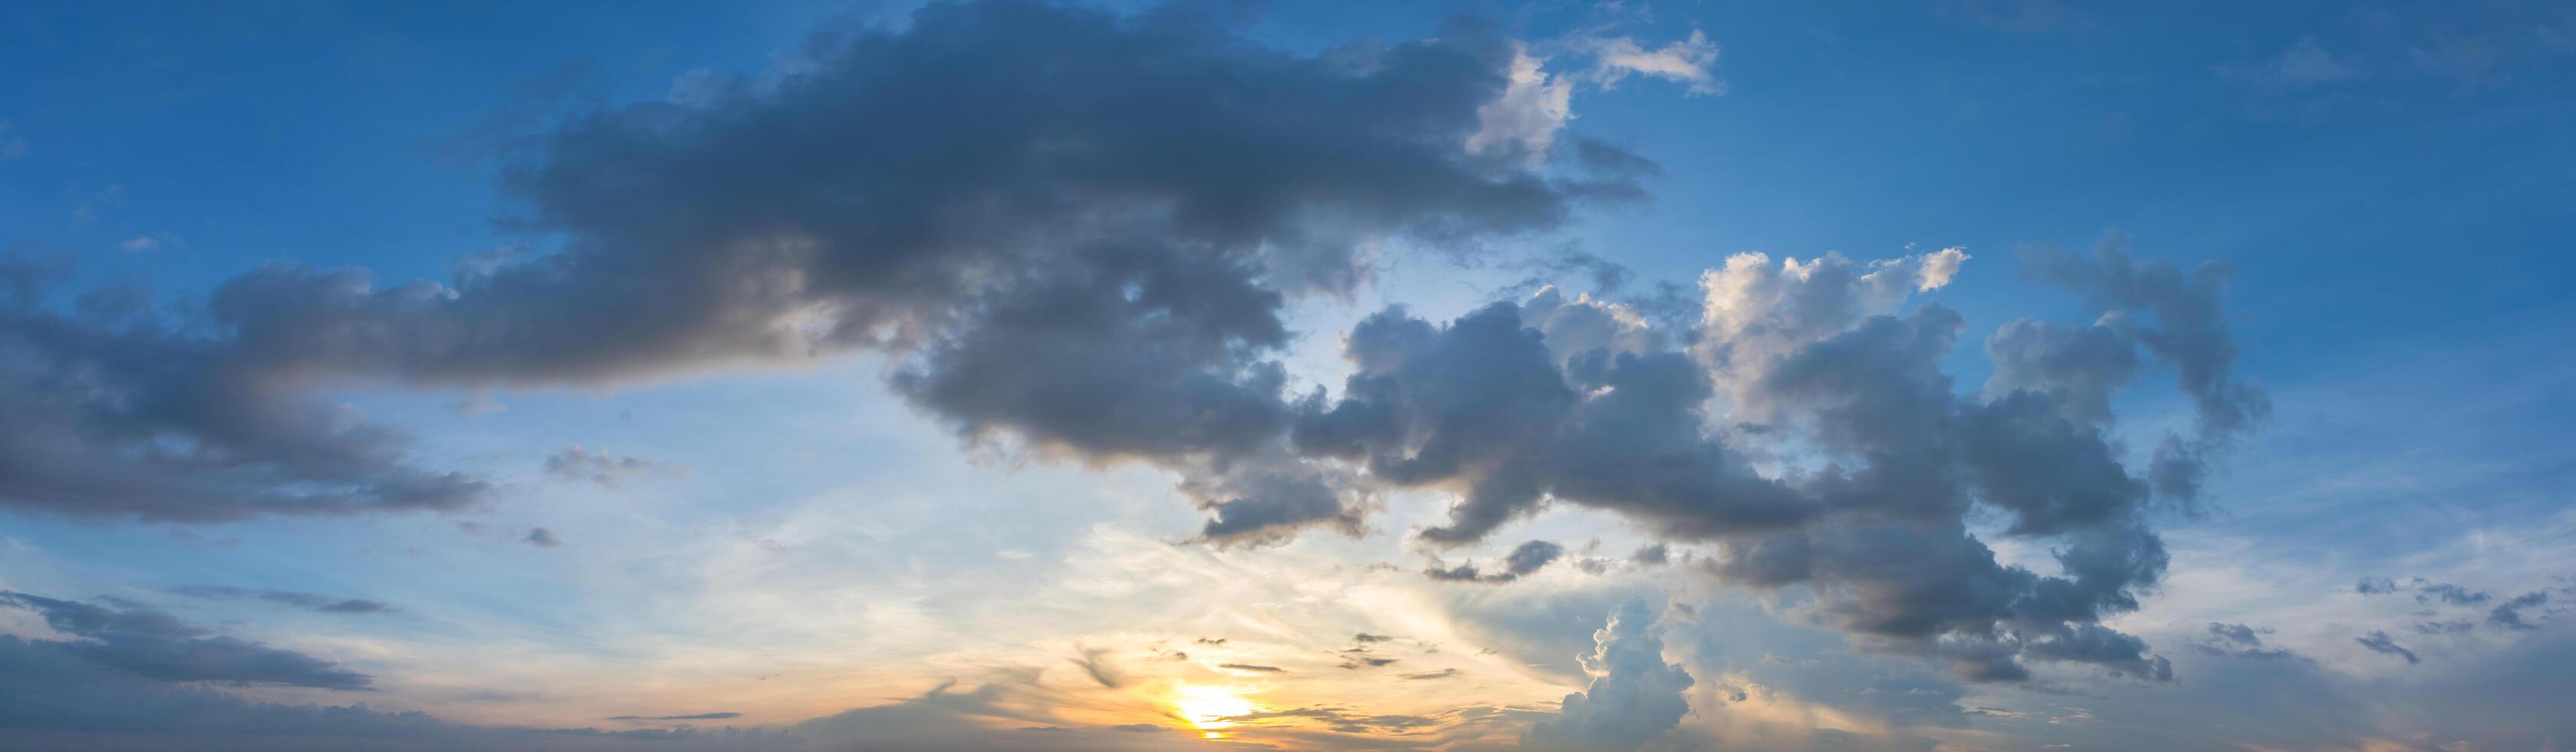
(1482, 402)
(1270, 499)
(688, 717)
(156, 646)
(2239, 641)
(2448, 593)
(2188, 331)
(607, 470)
(1524, 560)
(2236, 633)
(307, 601)
(1586, 402)
(2426, 591)
(541, 538)
(1072, 230)
(2380, 642)
(2509, 614)
(56, 698)
(1634, 696)
(1253, 668)
(131, 415)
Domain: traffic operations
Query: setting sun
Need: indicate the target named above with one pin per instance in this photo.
(1208, 707)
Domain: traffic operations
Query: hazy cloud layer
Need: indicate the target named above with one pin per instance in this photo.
(307, 601)
(155, 646)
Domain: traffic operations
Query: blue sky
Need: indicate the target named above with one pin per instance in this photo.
(864, 537)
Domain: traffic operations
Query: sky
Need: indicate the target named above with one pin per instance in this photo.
(996, 375)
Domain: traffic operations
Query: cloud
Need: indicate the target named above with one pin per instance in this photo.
(1688, 62)
(2509, 614)
(2426, 591)
(611, 471)
(133, 416)
(1095, 663)
(1585, 402)
(1253, 668)
(1270, 498)
(1341, 719)
(1070, 230)
(307, 601)
(2449, 593)
(1524, 121)
(689, 717)
(541, 538)
(55, 696)
(2189, 332)
(158, 647)
(1634, 695)
(2380, 642)
(1525, 559)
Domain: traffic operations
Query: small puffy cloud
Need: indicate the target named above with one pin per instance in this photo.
(611, 471)
(1690, 61)
(1524, 560)
(541, 538)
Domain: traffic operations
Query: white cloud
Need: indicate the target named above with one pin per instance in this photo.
(1690, 62)
(1523, 122)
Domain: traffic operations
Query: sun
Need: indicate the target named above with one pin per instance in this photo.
(1207, 707)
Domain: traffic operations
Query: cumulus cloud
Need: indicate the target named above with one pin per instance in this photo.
(1634, 695)
(1587, 402)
